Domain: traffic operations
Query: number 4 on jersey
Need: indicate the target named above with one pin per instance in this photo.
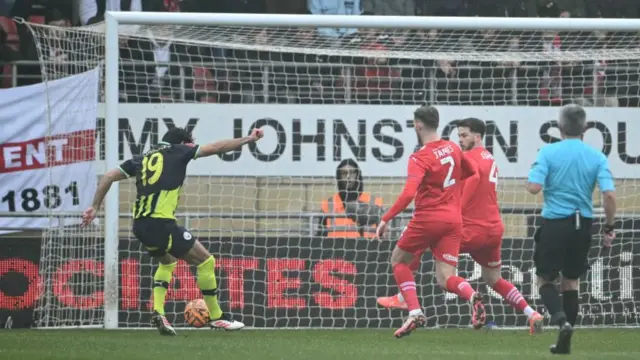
(493, 174)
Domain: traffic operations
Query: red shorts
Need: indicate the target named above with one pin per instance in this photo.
(483, 243)
(442, 238)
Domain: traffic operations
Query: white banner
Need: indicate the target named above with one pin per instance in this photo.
(310, 140)
(47, 149)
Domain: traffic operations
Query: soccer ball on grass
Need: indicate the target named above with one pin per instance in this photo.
(196, 313)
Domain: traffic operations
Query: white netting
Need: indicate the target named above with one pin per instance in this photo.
(52, 123)
(256, 209)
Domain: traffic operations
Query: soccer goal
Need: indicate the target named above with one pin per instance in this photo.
(326, 89)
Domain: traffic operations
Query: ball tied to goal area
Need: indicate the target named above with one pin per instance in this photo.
(320, 100)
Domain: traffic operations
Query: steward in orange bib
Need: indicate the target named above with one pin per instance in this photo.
(361, 211)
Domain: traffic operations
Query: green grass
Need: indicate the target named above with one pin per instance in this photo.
(311, 345)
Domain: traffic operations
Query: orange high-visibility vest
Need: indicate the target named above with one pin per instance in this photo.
(342, 225)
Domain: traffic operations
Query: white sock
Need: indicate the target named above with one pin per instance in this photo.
(415, 312)
(529, 311)
(400, 297)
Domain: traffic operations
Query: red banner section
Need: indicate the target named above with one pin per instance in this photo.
(63, 149)
(304, 282)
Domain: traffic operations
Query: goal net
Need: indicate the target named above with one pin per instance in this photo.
(291, 249)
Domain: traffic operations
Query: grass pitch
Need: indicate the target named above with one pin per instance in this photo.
(311, 345)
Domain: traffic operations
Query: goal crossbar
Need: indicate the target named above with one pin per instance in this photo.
(379, 22)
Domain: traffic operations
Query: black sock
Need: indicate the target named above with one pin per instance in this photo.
(570, 305)
(551, 300)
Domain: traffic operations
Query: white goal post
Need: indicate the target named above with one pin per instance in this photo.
(246, 197)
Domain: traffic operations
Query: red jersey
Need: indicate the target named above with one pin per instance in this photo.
(435, 175)
(479, 195)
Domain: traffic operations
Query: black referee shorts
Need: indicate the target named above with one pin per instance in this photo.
(562, 247)
(162, 236)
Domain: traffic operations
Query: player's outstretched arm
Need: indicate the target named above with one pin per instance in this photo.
(104, 185)
(415, 174)
(223, 146)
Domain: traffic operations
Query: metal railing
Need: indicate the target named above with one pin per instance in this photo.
(288, 81)
(308, 220)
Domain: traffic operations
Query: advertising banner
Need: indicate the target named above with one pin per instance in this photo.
(47, 148)
(310, 140)
(316, 282)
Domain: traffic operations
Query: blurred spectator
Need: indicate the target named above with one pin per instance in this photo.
(374, 75)
(561, 8)
(441, 7)
(362, 211)
(522, 8)
(389, 7)
(91, 11)
(5, 7)
(286, 6)
(500, 8)
(612, 8)
(7, 54)
(335, 7)
(242, 6)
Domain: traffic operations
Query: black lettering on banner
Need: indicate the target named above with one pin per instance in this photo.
(30, 199)
(237, 133)
(51, 196)
(298, 139)
(191, 125)
(510, 150)
(544, 132)
(340, 131)
(622, 145)
(389, 140)
(149, 132)
(607, 139)
(411, 125)
(446, 131)
(280, 147)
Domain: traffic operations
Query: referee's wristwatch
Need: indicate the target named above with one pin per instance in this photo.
(608, 228)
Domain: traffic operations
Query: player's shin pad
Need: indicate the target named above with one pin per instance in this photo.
(161, 280)
(206, 279)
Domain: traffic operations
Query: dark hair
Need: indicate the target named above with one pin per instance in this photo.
(573, 120)
(177, 135)
(429, 116)
(474, 124)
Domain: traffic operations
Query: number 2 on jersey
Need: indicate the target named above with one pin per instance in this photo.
(448, 181)
(151, 168)
(493, 174)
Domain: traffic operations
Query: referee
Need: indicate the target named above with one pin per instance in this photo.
(567, 172)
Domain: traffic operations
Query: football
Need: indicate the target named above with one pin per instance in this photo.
(196, 313)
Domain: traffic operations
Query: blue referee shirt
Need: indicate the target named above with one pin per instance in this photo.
(568, 171)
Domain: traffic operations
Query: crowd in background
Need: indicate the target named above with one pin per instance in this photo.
(154, 70)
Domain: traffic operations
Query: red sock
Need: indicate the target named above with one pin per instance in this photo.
(415, 263)
(407, 284)
(511, 294)
(457, 285)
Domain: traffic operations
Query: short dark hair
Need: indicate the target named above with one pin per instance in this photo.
(429, 116)
(177, 135)
(573, 120)
(474, 124)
